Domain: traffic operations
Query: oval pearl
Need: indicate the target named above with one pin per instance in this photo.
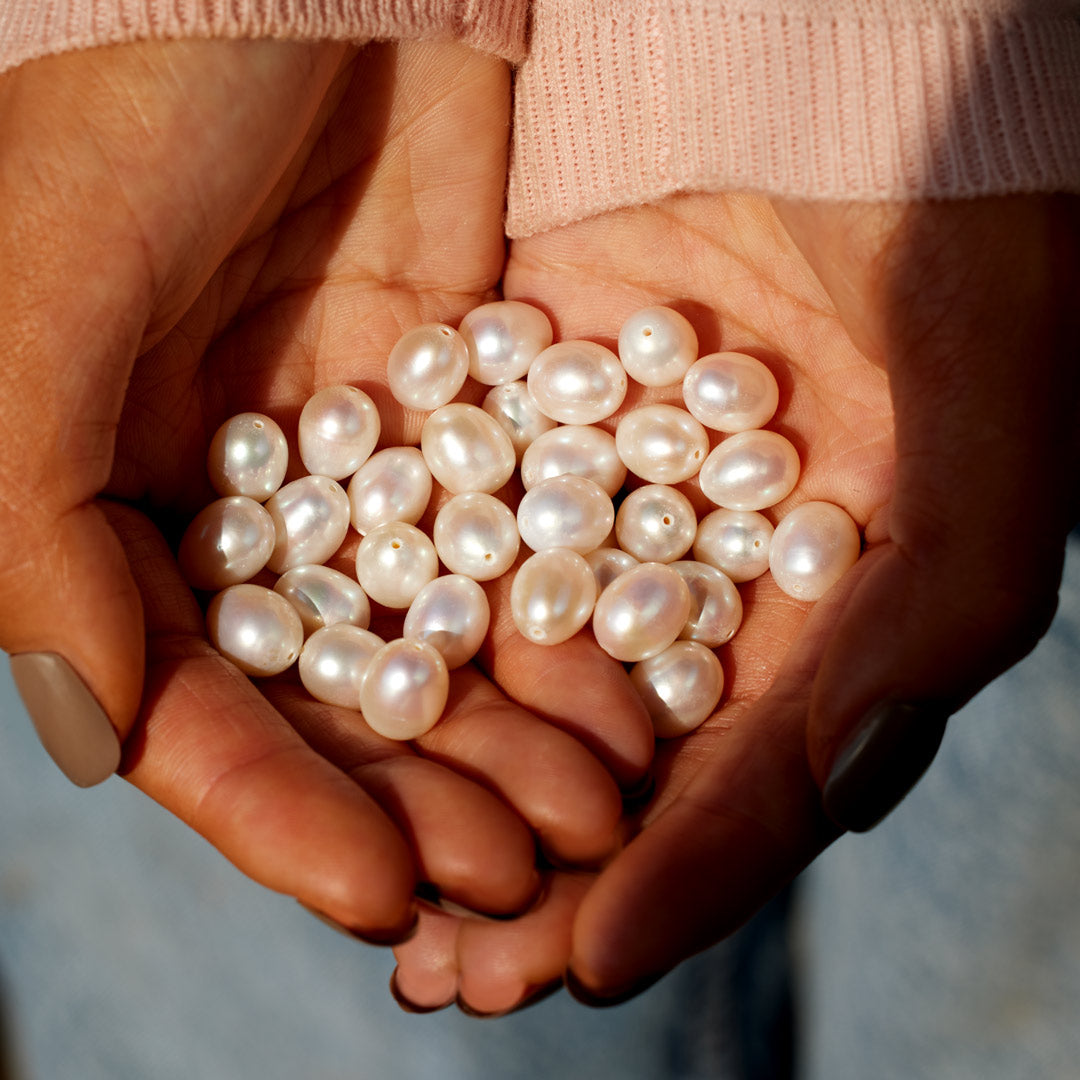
(680, 687)
(656, 523)
(255, 628)
(565, 512)
(335, 660)
(641, 612)
(427, 366)
(311, 518)
(324, 597)
(607, 563)
(503, 339)
(552, 596)
(394, 562)
(736, 542)
(405, 689)
(476, 534)
(731, 392)
(392, 485)
(466, 450)
(513, 409)
(750, 471)
(657, 345)
(248, 456)
(812, 548)
(716, 608)
(578, 449)
(577, 382)
(339, 427)
(662, 444)
(452, 614)
(226, 543)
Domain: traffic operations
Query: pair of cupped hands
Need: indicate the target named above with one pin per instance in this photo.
(195, 229)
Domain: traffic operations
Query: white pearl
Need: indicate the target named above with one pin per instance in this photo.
(339, 427)
(565, 512)
(466, 450)
(552, 596)
(812, 548)
(680, 687)
(311, 518)
(577, 382)
(503, 339)
(405, 689)
(641, 612)
(324, 597)
(452, 614)
(427, 366)
(513, 409)
(255, 628)
(476, 534)
(656, 523)
(750, 471)
(578, 449)
(657, 345)
(248, 456)
(736, 542)
(716, 608)
(662, 444)
(392, 485)
(607, 563)
(394, 562)
(731, 392)
(226, 543)
(334, 661)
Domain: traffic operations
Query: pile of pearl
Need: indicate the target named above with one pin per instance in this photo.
(626, 571)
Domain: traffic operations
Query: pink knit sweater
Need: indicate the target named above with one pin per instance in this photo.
(624, 101)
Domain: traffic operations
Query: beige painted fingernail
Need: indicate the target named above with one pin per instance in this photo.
(70, 723)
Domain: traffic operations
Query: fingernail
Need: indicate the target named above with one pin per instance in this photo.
(580, 992)
(70, 723)
(429, 895)
(369, 937)
(410, 1006)
(891, 747)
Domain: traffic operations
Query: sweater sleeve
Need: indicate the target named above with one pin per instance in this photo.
(625, 101)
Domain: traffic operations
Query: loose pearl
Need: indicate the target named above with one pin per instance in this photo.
(248, 456)
(405, 689)
(514, 410)
(392, 485)
(680, 688)
(324, 597)
(226, 543)
(578, 449)
(607, 563)
(311, 518)
(427, 366)
(394, 562)
(731, 392)
(662, 444)
(656, 346)
(466, 450)
(334, 661)
(339, 427)
(255, 628)
(565, 512)
(750, 471)
(716, 608)
(641, 612)
(736, 542)
(577, 382)
(476, 534)
(552, 596)
(503, 339)
(656, 523)
(812, 548)
(452, 614)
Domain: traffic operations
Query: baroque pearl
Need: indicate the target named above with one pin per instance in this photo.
(552, 596)
(656, 523)
(324, 597)
(339, 427)
(466, 450)
(812, 548)
(503, 339)
(577, 382)
(736, 542)
(476, 534)
(392, 485)
(255, 628)
(565, 512)
(662, 444)
(394, 562)
(731, 392)
(405, 689)
(716, 608)
(750, 471)
(680, 687)
(311, 518)
(248, 456)
(334, 661)
(226, 543)
(427, 366)
(641, 612)
(607, 563)
(657, 345)
(513, 409)
(579, 449)
(452, 614)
